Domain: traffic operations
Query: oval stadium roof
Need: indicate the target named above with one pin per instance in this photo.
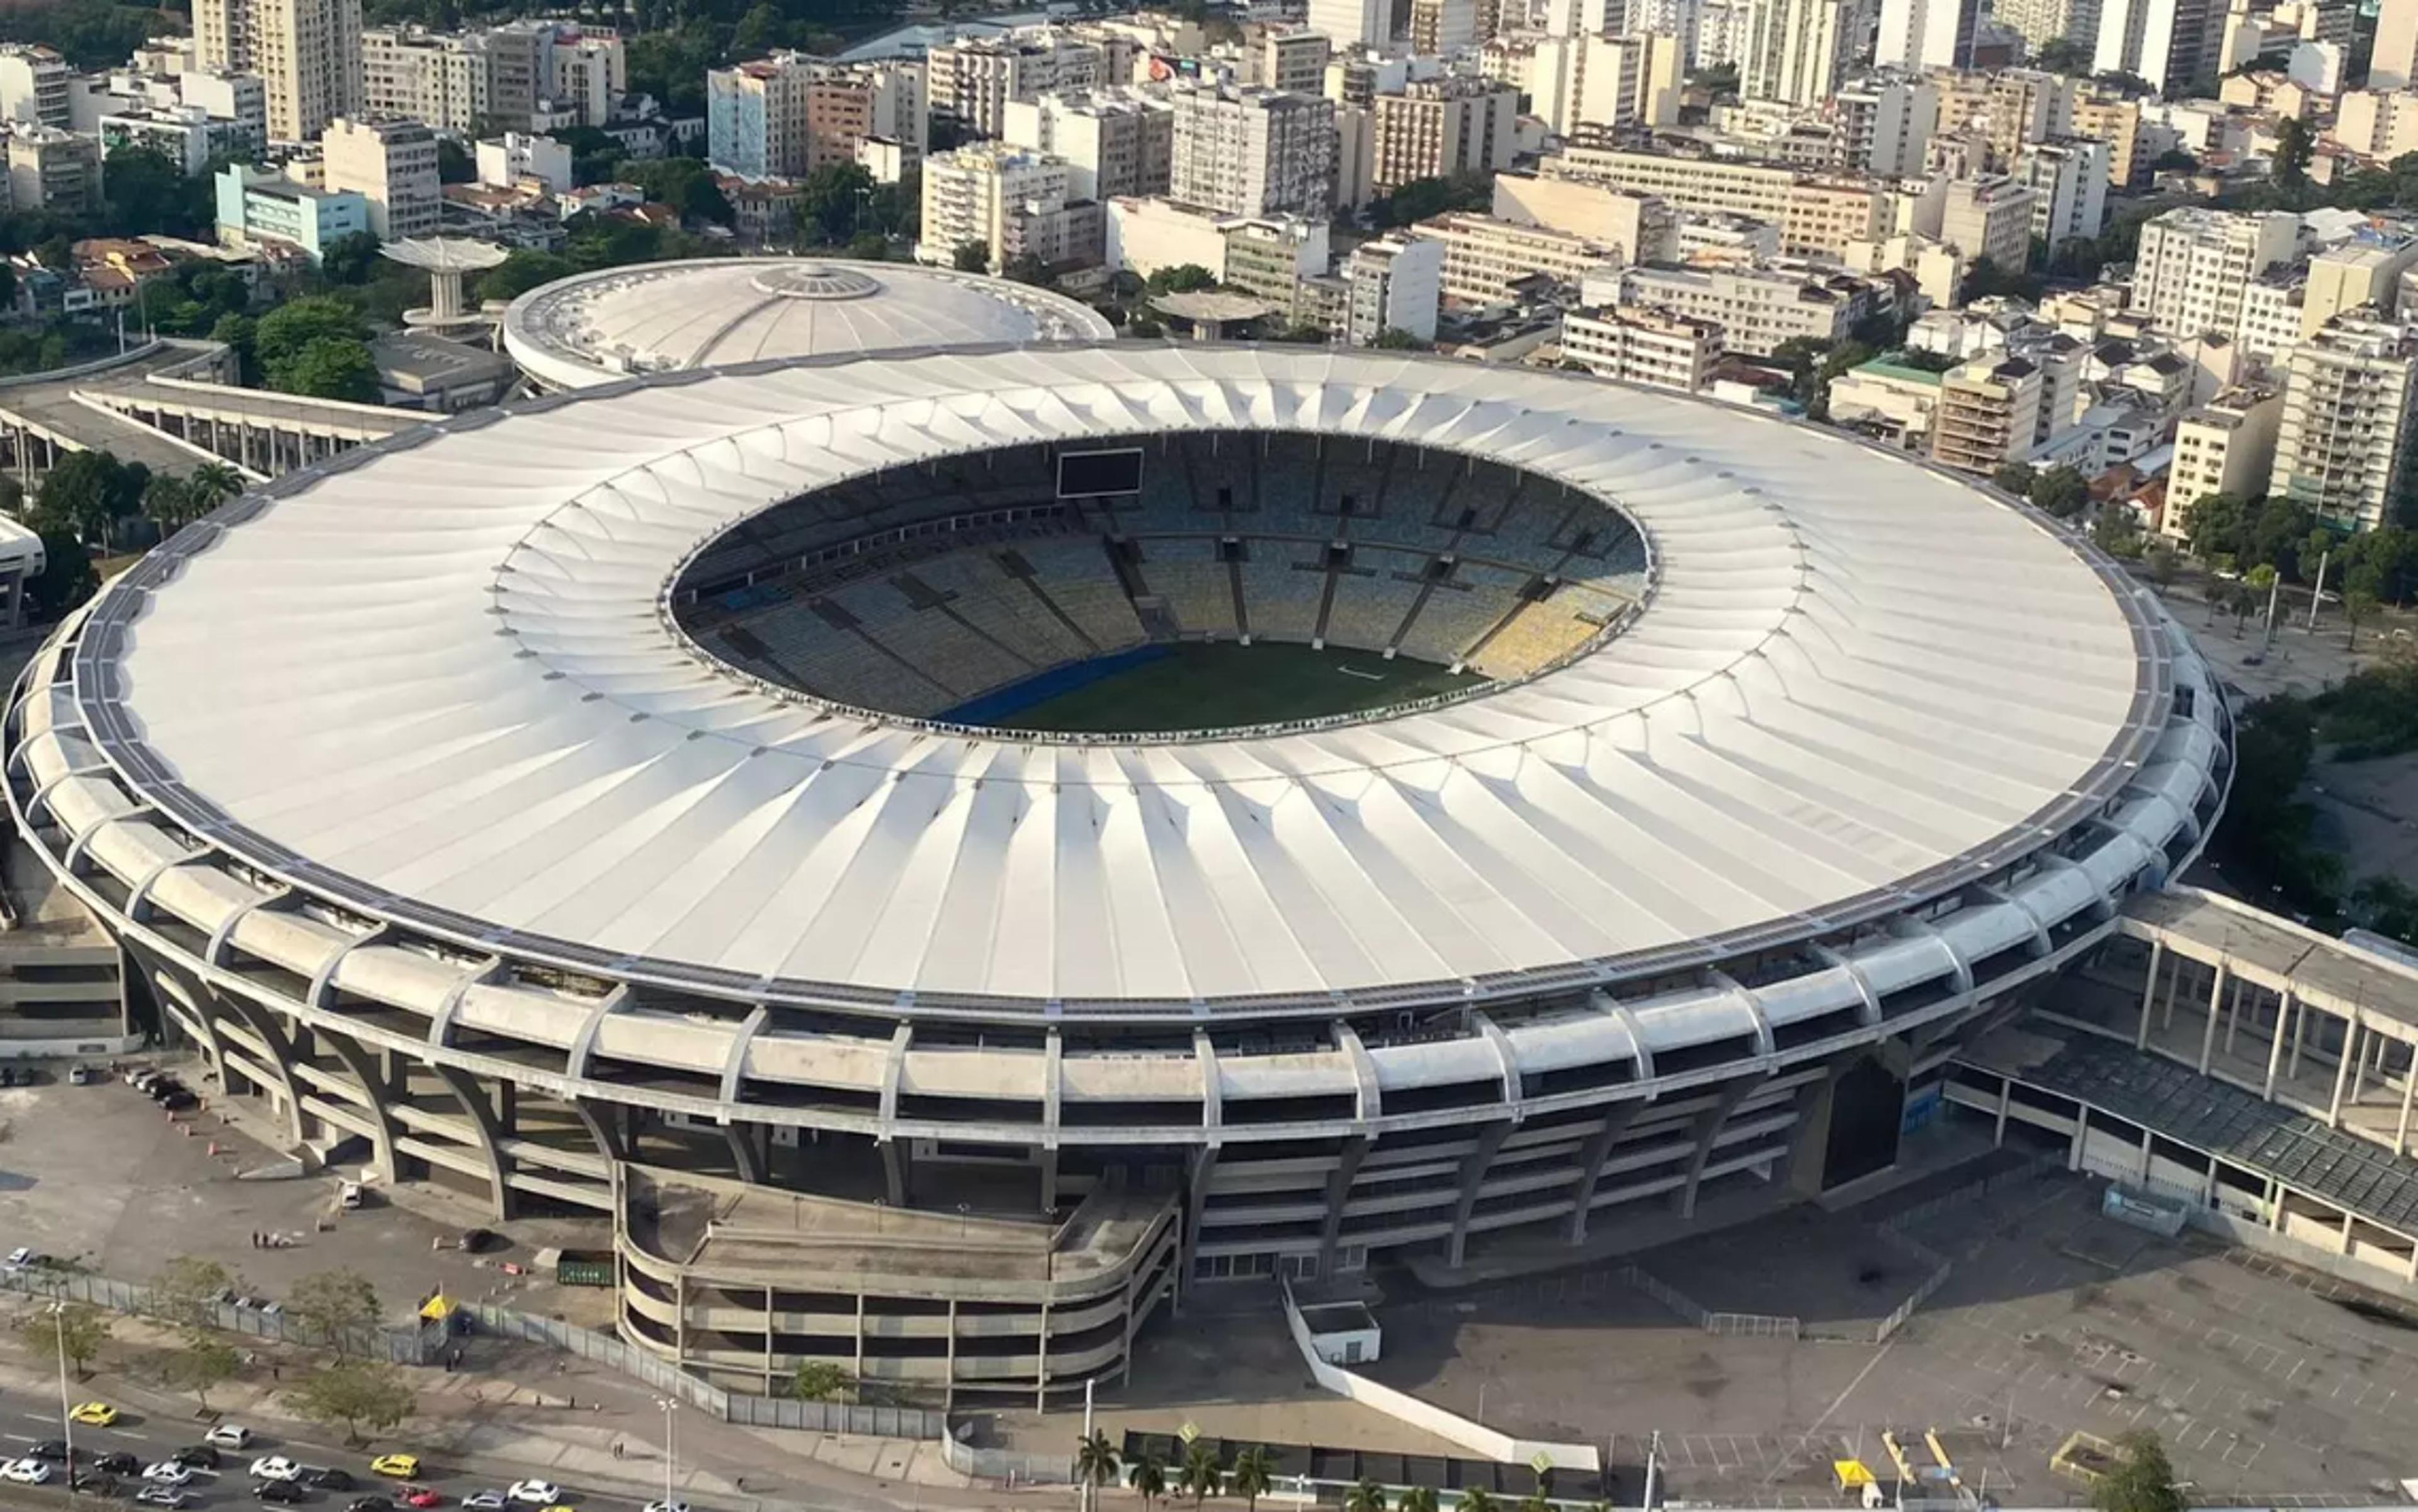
(438, 680)
(593, 328)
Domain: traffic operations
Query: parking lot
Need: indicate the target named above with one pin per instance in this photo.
(2268, 1386)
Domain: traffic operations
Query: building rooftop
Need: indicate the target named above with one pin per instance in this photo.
(594, 328)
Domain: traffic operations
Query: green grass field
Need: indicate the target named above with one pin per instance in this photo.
(1214, 685)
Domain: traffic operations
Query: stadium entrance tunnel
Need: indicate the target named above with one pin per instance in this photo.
(1168, 584)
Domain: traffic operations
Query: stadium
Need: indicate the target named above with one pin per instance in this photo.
(950, 853)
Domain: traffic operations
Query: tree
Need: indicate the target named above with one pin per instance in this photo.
(354, 1394)
(2293, 145)
(2014, 477)
(188, 1288)
(1395, 339)
(2358, 603)
(454, 165)
(86, 492)
(2062, 492)
(202, 1361)
(1182, 277)
(333, 1306)
(214, 483)
(351, 258)
(869, 247)
(685, 184)
(2064, 54)
(1149, 1480)
(831, 201)
(1096, 1465)
(2117, 532)
(67, 576)
(1537, 1500)
(238, 333)
(1476, 1500)
(147, 191)
(1418, 1499)
(1198, 1476)
(1252, 1476)
(1366, 1496)
(521, 271)
(74, 1329)
(332, 367)
(2161, 563)
(970, 257)
(1026, 268)
(283, 332)
(2141, 1480)
(819, 1380)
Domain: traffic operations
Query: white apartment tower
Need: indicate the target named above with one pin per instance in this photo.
(2068, 178)
(1795, 50)
(1927, 34)
(2193, 264)
(34, 82)
(1442, 27)
(1114, 142)
(1253, 152)
(2394, 65)
(307, 53)
(1351, 23)
(1395, 283)
(1436, 128)
(2170, 43)
(973, 78)
(2342, 446)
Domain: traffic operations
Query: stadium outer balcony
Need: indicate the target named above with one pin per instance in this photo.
(1296, 1136)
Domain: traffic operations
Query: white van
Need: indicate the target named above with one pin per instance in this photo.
(348, 1196)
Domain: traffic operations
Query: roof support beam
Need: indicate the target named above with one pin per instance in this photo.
(440, 1023)
(583, 1049)
(1593, 1156)
(734, 1066)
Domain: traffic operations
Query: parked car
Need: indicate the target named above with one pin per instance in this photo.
(368, 1503)
(275, 1467)
(329, 1478)
(199, 1456)
(229, 1436)
(537, 1492)
(93, 1482)
(282, 1492)
(118, 1462)
(180, 1101)
(400, 1466)
(49, 1449)
(81, 1075)
(21, 1257)
(93, 1415)
(26, 1472)
(666, 1506)
(484, 1502)
(169, 1473)
(171, 1497)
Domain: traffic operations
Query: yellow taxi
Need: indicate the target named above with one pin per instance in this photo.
(93, 1415)
(401, 1466)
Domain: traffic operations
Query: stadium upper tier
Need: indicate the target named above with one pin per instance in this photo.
(658, 317)
(418, 727)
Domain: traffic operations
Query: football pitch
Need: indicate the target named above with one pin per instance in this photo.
(1210, 686)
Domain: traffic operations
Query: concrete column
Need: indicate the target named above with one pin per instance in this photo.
(2275, 1208)
(857, 1369)
(768, 1340)
(2300, 1037)
(1040, 1364)
(2215, 1006)
(2006, 1100)
(2232, 1015)
(2081, 1132)
(1472, 1173)
(2342, 1072)
(2401, 1131)
(473, 1101)
(2148, 994)
(1592, 1157)
(2174, 985)
(2275, 1051)
(2149, 1146)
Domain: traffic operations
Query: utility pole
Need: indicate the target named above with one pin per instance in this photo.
(2316, 594)
(2274, 594)
(1653, 1453)
(671, 1451)
(67, 1410)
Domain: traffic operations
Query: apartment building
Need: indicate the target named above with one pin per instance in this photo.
(971, 79)
(1490, 262)
(1440, 28)
(1818, 216)
(2379, 125)
(1883, 125)
(1642, 346)
(2343, 441)
(1643, 228)
(2108, 116)
(2041, 21)
(1889, 401)
(513, 157)
(53, 170)
(1439, 127)
(2225, 446)
(1987, 217)
(1989, 410)
(1115, 142)
(1797, 51)
(1757, 309)
(34, 84)
(1009, 201)
(2068, 178)
(256, 206)
(1295, 61)
(1353, 24)
(1927, 34)
(1630, 80)
(1254, 151)
(2173, 44)
(306, 52)
(2392, 63)
(1396, 284)
(393, 166)
(2193, 264)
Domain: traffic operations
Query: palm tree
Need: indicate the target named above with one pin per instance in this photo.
(1096, 1465)
(213, 482)
(1254, 1473)
(1537, 1500)
(1476, 1500)
(1149, 1480)
(1365, 1496)
(1200, 1476)
(1418, 1499)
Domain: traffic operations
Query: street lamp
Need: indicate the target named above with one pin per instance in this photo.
(67, 1411)
(671, 1450)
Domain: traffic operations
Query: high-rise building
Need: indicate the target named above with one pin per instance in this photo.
(1624, 81)
(2041, 21)
(1114, 142)
(2172, 44)
(1988, 217)
(1643, 228)
(1489, 262)
(1647, 346)
(1254, 151)
(1927, 34)
(1396, 284)
(1010, 202)
(1349, 24)
(1436, 128)
(33, 85)
(1759, 309)
(2350, 412)
(257, 205)
(1795, 50)
(2225, 446)
(1885, 124)
(971, 79)
(2068, 178)
(2192, 265)
(307, 53)
(1440, 27)
(393, 166)
(53, 170)
(785, 116)
(2393, 64)
(2108, 115)
(1989, 411)
(1295, 61)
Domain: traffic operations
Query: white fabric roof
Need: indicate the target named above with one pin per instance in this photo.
(578, 332)
(444, 673)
